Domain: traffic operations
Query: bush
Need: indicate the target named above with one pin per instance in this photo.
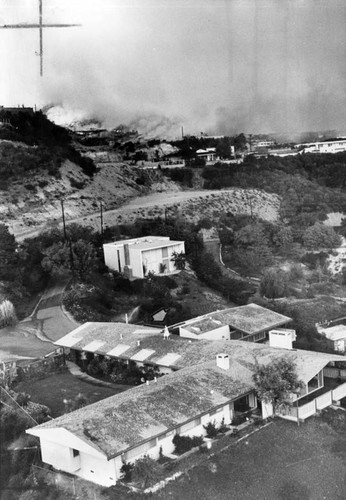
(126, 470)
(211, 429)
(146, 471)
(185, 443)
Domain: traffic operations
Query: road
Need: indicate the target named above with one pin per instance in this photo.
(151, 200)
(34, 336)
(153, 205)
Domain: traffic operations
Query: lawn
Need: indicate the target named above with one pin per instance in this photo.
(52, 390)
(280, 462)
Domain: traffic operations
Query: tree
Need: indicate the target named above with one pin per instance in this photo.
(179, 260)
(240, 142)
(63, 259)
(223, 148)
(283, 237)
(273, 284)
(251, 235)
(275, 382)
(321, 236)
(8, 256)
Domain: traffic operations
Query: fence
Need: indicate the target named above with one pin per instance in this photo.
(42, 367)
(315, 405)
(332, 372)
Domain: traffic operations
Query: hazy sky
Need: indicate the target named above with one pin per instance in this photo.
(210, 65)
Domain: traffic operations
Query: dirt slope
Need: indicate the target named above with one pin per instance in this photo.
(126, 192)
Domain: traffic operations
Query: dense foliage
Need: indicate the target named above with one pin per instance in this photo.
(275, 382)
(44, 147)
(309, 184)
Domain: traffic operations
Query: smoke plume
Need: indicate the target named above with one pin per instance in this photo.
(218, 66)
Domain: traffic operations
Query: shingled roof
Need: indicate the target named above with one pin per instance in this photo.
(123, 421)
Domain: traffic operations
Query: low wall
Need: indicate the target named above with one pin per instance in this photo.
(41, 368)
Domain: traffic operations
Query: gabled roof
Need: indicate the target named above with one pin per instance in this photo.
(249, 319)
(125, 420)
(178, 352)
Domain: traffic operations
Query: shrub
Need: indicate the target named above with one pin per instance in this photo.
(76, 184)
(185, 443)
(211, 429)
(146, 471)
(239, 419)
(223, 427)
(126, 470)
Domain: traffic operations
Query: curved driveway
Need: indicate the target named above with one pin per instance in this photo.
(34, 336)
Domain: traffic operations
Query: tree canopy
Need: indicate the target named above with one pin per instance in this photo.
(276, 382)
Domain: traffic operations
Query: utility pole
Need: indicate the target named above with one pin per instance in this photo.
(101, 218)
(63, 219)
(71, 257)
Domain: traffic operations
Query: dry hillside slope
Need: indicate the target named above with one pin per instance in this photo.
(126, 192)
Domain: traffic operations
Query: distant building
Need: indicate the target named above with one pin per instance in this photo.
(332, 146)
(207, 154)
(7, 113)
(138, 256)
(263, 143)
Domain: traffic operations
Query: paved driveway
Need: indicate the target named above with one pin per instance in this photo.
(34, 336)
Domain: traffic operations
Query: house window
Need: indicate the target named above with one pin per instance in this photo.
(164, 252)
(75, 453)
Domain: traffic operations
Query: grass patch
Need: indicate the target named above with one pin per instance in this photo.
(51, 391)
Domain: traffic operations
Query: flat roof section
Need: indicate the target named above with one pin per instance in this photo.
(337, 332)
(249, 319)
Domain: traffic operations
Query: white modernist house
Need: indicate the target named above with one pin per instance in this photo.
(332, 146)
(95, 441)
(138, 256)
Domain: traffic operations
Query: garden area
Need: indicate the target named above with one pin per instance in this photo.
(59, 391)
(117, 371)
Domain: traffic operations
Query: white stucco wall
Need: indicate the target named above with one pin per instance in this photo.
(93, 466)
(221, 333)
(110, 251)
(136, 262)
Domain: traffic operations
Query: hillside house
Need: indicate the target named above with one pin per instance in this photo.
(207, 154)
(138, 256)
(95, 441)
(250, 323)
(336, 336)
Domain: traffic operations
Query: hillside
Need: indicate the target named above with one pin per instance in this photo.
(41, 165)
